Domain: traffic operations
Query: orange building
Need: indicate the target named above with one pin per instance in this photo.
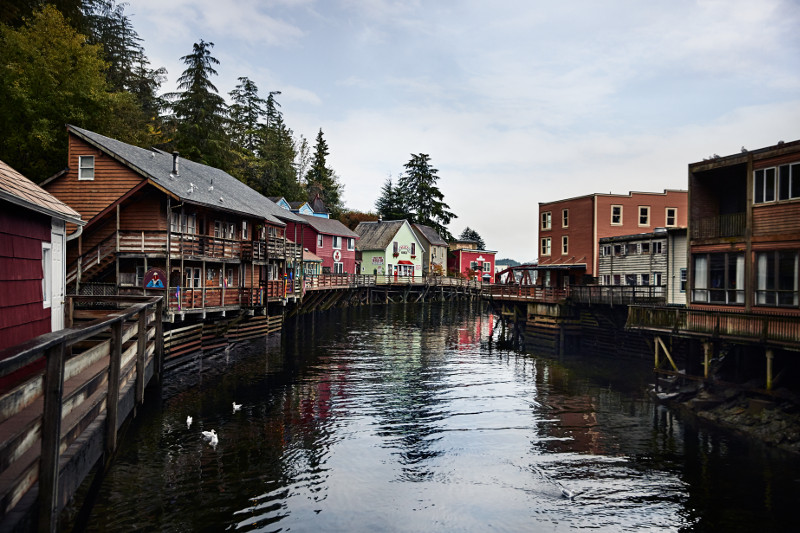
(570, 229)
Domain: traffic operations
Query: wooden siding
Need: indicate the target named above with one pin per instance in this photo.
(22, 315)
(637, 263)
(111, 181)
(778, 220)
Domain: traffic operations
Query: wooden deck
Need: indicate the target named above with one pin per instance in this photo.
(63, 397)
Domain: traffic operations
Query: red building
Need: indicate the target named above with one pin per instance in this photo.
(570, 229)
(32, 253)
(471, 263)
(330, 240)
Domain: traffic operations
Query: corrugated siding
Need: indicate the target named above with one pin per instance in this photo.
(776, 219)
(22, 315)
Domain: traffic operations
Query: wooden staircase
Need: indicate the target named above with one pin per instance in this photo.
(92, 262)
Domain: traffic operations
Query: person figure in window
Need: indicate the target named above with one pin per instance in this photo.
(155, 282)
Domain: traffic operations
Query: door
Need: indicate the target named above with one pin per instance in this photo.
(58, 273)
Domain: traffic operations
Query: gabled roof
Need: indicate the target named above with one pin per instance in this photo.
(329, 226)
(195, 183)
(19, 190)
(377, 235)
(317, 205)
(310, 257)
(430, 234)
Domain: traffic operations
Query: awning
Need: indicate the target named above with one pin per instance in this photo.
(404, 262)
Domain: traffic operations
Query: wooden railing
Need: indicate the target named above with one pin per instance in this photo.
(770, 328)
(528, 292)
(69, 390)
(618, 294)
(730, 225)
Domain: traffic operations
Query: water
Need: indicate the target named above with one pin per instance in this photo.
(411, 418)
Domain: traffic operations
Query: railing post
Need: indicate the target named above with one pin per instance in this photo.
(158, 364)
(141, 349)
(112, 397)
(51, 439)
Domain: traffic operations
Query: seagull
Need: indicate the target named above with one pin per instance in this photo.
(214, 440)
(188, 422)
(209, 434)
(236, 406)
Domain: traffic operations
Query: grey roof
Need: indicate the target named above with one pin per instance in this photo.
(195, 183)
(19, 190)
(377, 235)
(430, 234)
(329, 226)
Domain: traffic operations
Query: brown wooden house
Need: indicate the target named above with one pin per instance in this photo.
(159, 224)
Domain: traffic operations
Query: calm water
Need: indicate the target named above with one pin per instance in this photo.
(413, 419)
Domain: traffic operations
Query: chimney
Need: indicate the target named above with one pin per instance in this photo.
(175, 163)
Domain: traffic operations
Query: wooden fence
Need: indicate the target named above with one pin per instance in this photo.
(63, 397)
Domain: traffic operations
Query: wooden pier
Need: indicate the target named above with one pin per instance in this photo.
(63, 398)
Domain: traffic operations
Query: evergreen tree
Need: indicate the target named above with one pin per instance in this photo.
(424, 200)
(321, 179)
(470, 234)
(390, 204)
(199, 112)
(52, 77)
(246, 112)
(277, 153)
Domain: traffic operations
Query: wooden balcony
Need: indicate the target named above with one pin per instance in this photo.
(732, 225)
(618, 294)
(756, 328)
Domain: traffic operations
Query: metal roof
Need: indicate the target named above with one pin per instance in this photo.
(19, 190)
(195, 183)
(329, 226)
(430, 234)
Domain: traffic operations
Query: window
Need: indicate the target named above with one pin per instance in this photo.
(617, 279)
(47, 274)
(245, 233)
(606, 250)
(338, 268)
(337, 242)
(565, 218)
(546, 246)
(619, 249)
(139, 275)
(192, 278)
(657, 279)
(644, 247)
(487, 266)
(718, 278)
(616, 215)
(645, 279)
(683, 279)
(395, 248)
(85, 167)
(320, 240)
(547, 220)
(631, 248)
(351, 244)
(672, 217)
(413, 248)
(564, 245)
(473, 265)
(630, 279)
(644, 215)
(229, 278)
(776, 278)
(606, 279)
(658, 247)
(781, 183)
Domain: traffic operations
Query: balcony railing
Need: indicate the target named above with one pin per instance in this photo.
(618, 294)
(731, 225)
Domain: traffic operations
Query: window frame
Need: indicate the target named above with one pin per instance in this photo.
(667, 217)
(320, 241)
(337, 242)
(565, 218)
(47, 275)
(82, 167)
(547, 220)
(618, 215)
(644, 213)
(351, 244)
(546, 246)
(564, 244)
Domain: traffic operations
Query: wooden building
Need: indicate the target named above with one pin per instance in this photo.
(570, 229)
(744, 231)
(389, 248)
(330, 240)
(434, 259)
(159, 224)
(33, 240)
(471, 263)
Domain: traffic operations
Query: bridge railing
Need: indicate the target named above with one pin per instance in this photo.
(618, 294)
(57, 387)
(528, 292)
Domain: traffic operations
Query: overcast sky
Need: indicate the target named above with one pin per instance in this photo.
(516, 102)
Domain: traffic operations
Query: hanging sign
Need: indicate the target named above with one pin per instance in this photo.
(337, 255)
(154, 279)
(377, 260)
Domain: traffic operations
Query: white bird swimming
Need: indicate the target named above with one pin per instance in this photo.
(209, 434)
(188, 422)
(214, 440)
(236, 406)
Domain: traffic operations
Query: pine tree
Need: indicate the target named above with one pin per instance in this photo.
(321, 179)
(470, 234)
(390, 204)
(199, 112)
(424, 200)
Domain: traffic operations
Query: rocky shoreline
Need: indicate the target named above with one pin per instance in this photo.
(774, 420)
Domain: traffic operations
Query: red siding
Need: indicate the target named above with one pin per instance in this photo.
(309, 241)
(22, 315)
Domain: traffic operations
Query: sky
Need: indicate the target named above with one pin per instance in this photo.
(515, 102)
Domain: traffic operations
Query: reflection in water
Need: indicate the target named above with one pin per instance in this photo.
(409, 418)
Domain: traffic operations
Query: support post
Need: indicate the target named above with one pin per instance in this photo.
(769, 355)
(158, 364)
(141, 350)
(112, 398)
(51, 439)
(707, 350)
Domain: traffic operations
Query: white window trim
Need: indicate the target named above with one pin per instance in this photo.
(547, 220)
(564, 244)
(47, 275)
(674, 217)
(351, 244)
(320, 241)
(81, 167)
(565, 218)
(546, 246)
(646, 208)
(612, 215)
